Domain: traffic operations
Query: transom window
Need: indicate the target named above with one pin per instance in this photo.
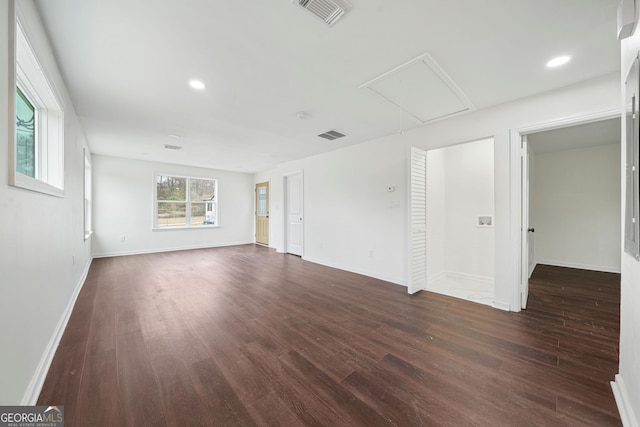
(185, 202)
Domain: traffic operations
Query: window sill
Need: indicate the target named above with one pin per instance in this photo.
(27, 183)
(185, 227)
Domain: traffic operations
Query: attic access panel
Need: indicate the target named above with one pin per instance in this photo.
(422, 89)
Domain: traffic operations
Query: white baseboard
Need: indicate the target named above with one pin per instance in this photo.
(579, 266)
(531, 268)
(30, 396)
(352, 270)
(459, 275)
(624, 403)
(178, 248)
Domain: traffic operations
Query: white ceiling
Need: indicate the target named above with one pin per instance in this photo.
(602, 132)
(127, 64)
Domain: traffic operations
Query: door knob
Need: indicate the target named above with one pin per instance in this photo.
(531, 230)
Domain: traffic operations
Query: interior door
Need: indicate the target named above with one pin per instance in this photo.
(295, 214)
(417, 220)
(262, 213)
(525, 230)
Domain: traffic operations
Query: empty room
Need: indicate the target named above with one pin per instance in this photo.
(319, 213)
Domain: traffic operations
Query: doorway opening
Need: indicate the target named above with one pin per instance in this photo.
(565, 198)
(460, 221)
(452, 221)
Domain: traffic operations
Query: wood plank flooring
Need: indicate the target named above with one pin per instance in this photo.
(244, 336)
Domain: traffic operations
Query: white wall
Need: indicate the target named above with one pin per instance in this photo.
(123, 206)
(469, 193)
(43, 254)
(627, 386)
(351, 220)
(577, 200)
(460, 187)
(348, 211)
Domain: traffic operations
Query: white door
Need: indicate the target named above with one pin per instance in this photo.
(525, 230)
(417, 220)
(262, 213)
(295, 214)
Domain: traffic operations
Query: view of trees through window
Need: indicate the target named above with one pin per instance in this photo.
(25, 135)
(184, 201)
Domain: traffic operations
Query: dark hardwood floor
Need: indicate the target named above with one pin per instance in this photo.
(244, 336)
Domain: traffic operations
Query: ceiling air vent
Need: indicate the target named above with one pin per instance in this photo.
(331, 135)
(330, 11)
(172, 147)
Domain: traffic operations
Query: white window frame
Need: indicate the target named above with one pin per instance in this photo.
(88, 191)
(27, 73)
(187, 201)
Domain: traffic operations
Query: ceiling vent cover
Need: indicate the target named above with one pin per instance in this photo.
(331, 135)
(330, 11)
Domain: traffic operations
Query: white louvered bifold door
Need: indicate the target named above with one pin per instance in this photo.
(417, 220)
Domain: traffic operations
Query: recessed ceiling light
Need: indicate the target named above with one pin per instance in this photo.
(196, 84)
(560, 60)
(174, 136)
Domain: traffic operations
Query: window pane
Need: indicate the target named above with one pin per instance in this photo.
(202, 189)
(198, 214)
(87, 216)
(172, 214)
(210, 213)
(25, 135)
(171, 188)
(262, 201)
